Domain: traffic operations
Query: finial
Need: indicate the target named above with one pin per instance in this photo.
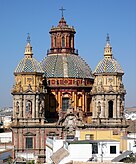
(108, 38)
(28, 38)
(62, 10)
(28, 48)
(108, 48)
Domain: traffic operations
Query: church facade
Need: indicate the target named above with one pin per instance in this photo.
(61, 95)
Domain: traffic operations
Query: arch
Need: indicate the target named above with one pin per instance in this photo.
(110, 109)
(29, 106)
(63, 42)
(55, 41)
(70, 41)
(17, 107)
(65, 103)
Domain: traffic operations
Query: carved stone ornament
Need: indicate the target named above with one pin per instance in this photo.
(111, 88)
(100, 88)
(94, 90)
(71, 120)
(70, 123)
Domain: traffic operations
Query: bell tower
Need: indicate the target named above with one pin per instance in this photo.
(28, 106)
(28, 91)
(108, 90)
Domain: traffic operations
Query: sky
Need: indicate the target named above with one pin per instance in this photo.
(92, 19)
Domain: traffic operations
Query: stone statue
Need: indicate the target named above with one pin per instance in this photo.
(70, 124)
(17, 107)
(99, 109)
(41, 107)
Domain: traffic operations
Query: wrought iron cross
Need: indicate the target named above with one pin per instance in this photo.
(108, 38)
(28, 38)
(62, 10)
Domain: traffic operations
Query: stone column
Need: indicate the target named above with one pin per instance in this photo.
(75, 101)
(118, 106)
(94, 107)
(42, 141)
(20, 138)
(21, 106)
(102, 108)
(59, 99)
(37, 106)
(83, 101)
(14, 107)
(15, 134)
(24, 107)
(114, 108)
(33, 107)
(37, 138)
(106, 108)
(56, 97)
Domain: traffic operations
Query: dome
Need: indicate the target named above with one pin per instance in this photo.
(108, 65)
(28, 65)
(66, 65)
(62, 60)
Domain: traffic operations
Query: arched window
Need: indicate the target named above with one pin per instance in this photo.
(110, 109)
(70, 41)
(55, 42)
(29, 107)
(65, 103)
(79, 100)
(63, 42)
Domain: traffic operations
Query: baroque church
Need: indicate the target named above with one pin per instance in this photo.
(61, 95)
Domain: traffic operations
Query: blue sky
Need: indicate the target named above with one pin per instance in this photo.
(92, 19)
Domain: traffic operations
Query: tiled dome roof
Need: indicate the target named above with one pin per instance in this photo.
(66, 65)
(108, 65)
(28, 65)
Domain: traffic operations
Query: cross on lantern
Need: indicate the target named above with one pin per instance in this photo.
(62, 10)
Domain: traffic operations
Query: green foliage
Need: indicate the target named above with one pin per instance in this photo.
(9, 160)
(30, 162)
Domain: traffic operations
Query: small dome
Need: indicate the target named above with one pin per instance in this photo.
(108, 65)
(28, 65)
(66, 65)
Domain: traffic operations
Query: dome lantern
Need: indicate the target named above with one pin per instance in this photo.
(108, 48)
(62, 37)
(28, 49)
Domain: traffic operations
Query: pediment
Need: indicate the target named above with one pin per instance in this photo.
(29, 134)
(110, 91)
(29, 91)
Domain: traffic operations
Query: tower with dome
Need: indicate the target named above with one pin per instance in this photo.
(61, 95)
(108, 90)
